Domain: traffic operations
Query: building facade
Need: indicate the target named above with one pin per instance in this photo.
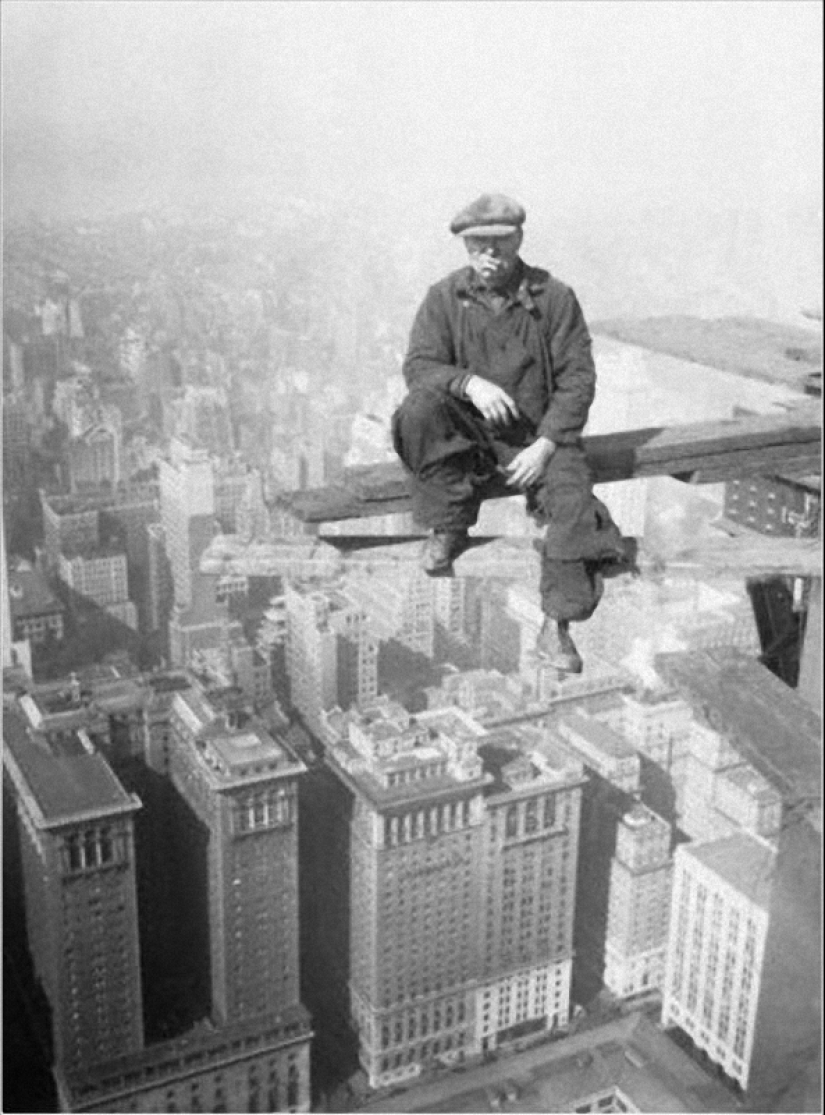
(639, 905)
(719, 925)
(234, 861)
(331, 653)
(462, 887)
(77, 838)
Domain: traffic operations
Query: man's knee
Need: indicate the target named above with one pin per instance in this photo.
(422, 405)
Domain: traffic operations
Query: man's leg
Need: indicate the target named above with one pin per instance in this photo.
(447, 451)
(580, 535)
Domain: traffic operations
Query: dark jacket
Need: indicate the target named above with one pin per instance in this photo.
(535, 345)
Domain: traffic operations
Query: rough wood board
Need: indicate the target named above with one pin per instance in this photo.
(757, 349)
(767, 721)
(701, 452)
(754, 556)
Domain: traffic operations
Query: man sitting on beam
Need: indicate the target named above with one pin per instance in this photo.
(501, 379)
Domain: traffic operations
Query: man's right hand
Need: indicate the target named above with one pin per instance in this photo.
(495, 404)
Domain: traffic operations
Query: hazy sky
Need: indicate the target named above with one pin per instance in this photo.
(117, 104)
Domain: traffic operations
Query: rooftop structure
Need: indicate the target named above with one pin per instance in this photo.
(626, 1065)
(603, 749)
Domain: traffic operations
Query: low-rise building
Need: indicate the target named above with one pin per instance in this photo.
(36, 613)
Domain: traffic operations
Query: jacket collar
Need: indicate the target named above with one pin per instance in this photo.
(524, 285)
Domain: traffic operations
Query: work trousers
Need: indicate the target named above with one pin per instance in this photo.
(453, 455)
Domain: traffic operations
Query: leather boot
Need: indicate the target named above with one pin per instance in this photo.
(556, 648)
(440, 551)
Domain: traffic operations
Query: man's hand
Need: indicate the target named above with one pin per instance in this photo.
(495, 405)
(526, 468)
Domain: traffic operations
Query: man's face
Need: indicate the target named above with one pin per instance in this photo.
(493, 257)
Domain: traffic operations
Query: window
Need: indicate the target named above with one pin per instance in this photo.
(549, 811)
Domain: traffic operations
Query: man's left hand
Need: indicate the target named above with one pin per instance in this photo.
(526, 468)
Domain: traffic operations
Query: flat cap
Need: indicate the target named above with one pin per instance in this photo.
(489, 215)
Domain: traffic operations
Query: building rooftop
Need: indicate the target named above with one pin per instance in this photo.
(640, 816)
(84, 502)
(65, 781)
(748, 780)
(30, 595)
(598, 735)
(92, 552)
(249, 750)
(741, 860)
(547, 758)
(629, 1056)
(395, 757)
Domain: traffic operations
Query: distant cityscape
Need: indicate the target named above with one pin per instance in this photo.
(332, 837)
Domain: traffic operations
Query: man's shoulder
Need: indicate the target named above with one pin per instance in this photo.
(541, 282)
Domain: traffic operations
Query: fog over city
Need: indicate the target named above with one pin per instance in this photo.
(598, 115)
(319, 793)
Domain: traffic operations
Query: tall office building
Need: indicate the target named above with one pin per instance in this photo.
(721, 793)
(639, 904)
(198, 622)
(462, 883)
(96, 457)
(213, 860)
(187, 510)
(76, 826)
(203, 419)
(331, 653)
(720, 919)
(613, 785)
(241, 784)
(783, 505)
(399, 603)
(67, 523)
(530, 862)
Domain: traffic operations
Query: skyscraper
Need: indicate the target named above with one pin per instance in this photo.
(639, 904)
(187, 509)
(217, 853)
(241, 785)
(530, 862)
(719, 925)
(462, 852)
(76, 825)
(331, 654)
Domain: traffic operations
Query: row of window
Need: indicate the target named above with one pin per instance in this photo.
(93, 848)
(270, 808)
(527, 818)
(421, 1023)
(421, 823)
(422, 1053)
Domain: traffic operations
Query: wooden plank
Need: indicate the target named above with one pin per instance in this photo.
(701, 452)
(770, 351)
(768, 722)
(754, 556)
